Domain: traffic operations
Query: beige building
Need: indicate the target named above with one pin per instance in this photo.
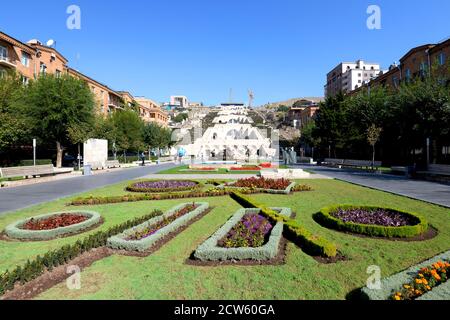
(151, 111)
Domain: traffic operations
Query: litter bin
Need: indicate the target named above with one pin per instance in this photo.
(87, 170)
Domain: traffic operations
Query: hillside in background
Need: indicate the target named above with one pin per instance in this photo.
(290, 102)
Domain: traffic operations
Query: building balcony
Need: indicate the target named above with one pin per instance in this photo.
(7, 62)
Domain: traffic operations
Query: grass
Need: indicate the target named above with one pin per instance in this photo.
(164, 275)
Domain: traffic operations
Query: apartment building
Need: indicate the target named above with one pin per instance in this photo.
(417, 62)
(32, 59)
(29, 59)
(348, 76)
(150, 111)
(107, 99)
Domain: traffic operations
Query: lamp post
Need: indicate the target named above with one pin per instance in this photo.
(34, 152)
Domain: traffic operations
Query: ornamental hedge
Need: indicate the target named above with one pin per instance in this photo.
(210, 251)
(35, 268)
(14, 231)
(213, 192)
(133, 187)
(311, 244)
(120, 241)
(326, 219)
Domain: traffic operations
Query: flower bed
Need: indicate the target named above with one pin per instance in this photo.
(248, 168)
(54, 258)
(267, 185)
(266, 165)
(53, 225)
(425, 281)
(372, 221)
(311, 244)
(154, 186)
(54, 222)
(225, 244)
(145, 235)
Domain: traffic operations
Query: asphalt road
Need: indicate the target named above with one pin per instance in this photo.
(12, 199)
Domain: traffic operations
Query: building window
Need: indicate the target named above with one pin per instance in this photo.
(26, 59)
(25, 80)
(58, 73)
(3, 53)
(407, 74)
(2, 73)
(43, 68)
(441, 59)
(359, 74)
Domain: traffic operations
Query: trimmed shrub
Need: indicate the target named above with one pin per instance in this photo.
(210, 251)
(272, 191)
(33, 269)
(213, 192)
(15, 230)
(120, 241)
(325, 218)
(134, 188)
(309, 242)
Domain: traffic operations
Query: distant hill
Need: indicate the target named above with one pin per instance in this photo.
(290, 102)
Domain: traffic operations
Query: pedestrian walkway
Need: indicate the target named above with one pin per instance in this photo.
(422, 190)
(16, 198)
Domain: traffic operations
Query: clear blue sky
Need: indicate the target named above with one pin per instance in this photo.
(201, 48)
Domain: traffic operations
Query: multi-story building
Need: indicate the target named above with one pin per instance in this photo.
(180, 101)
(348, 76)
(32, 59)
(417, 62)
(296, 113)
(29, 59)
(151, 111)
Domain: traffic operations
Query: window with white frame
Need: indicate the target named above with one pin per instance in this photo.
(3, 53)
(26, 59)
(441, 58)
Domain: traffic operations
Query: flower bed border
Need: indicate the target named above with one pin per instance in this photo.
(119, 241)
(35, 268)
(210, 251)
(325, 218)
(131, 187)
(396, 281)
(271, 191)
(311, 244)
(13, 231)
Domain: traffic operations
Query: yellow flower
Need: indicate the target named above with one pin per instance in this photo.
(406, 286)
(397, 298)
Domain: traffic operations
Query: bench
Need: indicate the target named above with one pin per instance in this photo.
(96, 165)
(334, 162)
(361, 163)
(439, 169)
(28, 171)
(112, 164)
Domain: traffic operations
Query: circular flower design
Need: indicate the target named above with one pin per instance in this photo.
(162, 186)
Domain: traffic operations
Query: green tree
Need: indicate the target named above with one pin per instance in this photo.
(59, 105)
(156, 136)
(128, 130)
(373, 136)
(180, 117)
(15, 126)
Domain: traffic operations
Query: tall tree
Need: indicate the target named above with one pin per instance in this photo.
(58, 103)
(128, 130)
(156, 136)
(15, 126)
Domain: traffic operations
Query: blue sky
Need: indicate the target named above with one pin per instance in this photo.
(201, 48)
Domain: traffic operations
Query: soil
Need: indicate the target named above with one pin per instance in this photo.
(280, 259)
(51, 278)
(4, 237)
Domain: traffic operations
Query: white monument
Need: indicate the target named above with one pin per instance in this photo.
(232, 138)
(96, 153)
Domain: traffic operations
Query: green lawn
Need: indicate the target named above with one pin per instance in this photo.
(164, 275)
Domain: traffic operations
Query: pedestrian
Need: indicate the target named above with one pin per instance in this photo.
(143, 159)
